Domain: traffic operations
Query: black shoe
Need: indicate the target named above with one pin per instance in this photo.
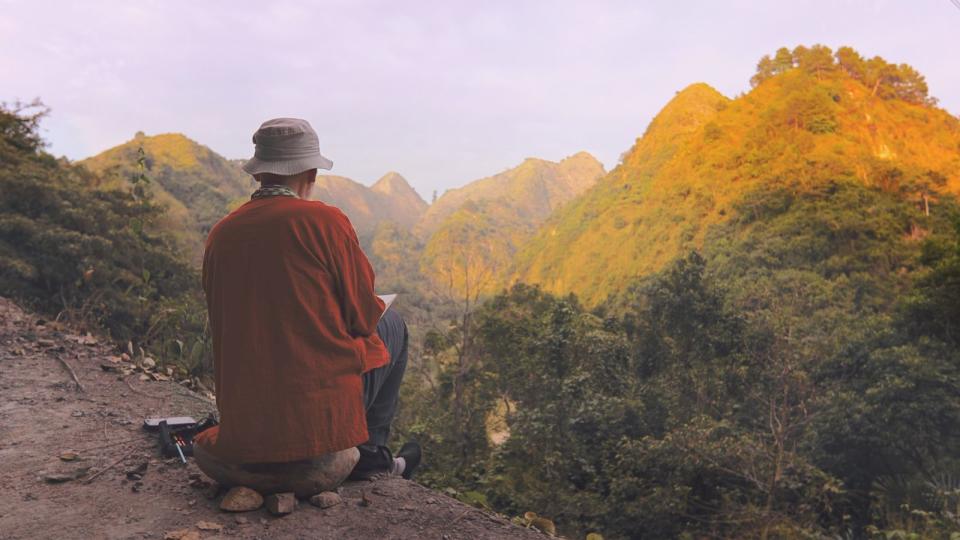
(374, 460)
(411, 454)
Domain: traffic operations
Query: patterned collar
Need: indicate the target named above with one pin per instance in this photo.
(273, 190)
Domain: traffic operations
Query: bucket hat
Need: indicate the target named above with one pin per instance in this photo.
(286, 146)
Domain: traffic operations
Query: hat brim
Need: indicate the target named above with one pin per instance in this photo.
(287, 167)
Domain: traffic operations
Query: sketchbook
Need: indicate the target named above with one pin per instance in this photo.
(387, 300)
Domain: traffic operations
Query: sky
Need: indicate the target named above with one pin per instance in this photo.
(443, 92)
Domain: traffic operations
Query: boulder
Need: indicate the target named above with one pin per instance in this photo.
(304, 478)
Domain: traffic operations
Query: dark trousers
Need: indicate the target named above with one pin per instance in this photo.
(381, 386)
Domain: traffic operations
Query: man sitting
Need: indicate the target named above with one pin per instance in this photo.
(307, 363)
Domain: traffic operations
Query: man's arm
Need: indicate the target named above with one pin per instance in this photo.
(361, 306)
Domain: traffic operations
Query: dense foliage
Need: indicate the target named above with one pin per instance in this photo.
(797, 379)
(92, 256)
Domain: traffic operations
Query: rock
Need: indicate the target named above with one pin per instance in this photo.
(241, 520)
(281, 504)
(209, 526)
(241, 499)
(61, 477)
(69, 455)
(144, 377)
(182, 534)
(77, 414)
(148, 363)
(58, 478)
(326, 499)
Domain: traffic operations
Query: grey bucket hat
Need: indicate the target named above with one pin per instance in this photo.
(286, 146)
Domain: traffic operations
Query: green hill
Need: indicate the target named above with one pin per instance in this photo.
(196, 184)
(804, 124)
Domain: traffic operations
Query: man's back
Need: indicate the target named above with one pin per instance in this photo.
(293, 319)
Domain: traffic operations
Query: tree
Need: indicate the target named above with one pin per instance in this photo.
(765, 70)
(782, 61)
(851, 62)
(817, 60)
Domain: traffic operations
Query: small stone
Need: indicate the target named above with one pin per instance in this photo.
(148, 363)
(182, 534)
(209, 526)
(241, 499)
(144, 377)
(241, 520)
(125, 357)
(77, 414)
(281, 504)
(325, 499)
(364, 500)
(69, 455)
(58, 478)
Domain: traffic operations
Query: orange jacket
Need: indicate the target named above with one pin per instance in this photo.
(293, 316)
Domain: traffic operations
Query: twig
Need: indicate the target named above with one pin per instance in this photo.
(73, 373)
(114, 443)
(108, 467)
(456, 519)
(196, 396)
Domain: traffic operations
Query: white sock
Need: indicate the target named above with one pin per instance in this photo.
(399, 464)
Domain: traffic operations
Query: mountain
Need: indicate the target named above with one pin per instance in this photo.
(197, 185)
(533, 189)
(704, 156)
(473, 232)
(390, 198)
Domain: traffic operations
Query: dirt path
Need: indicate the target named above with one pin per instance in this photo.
(43, 413)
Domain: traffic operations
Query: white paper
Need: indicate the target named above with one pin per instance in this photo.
(388, 300)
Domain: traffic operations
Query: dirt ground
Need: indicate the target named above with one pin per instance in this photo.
(43, 414)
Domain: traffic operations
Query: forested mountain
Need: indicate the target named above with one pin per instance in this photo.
(473, 232)
(532, 189)
(196, 184)
(389, 199)
(808, 121)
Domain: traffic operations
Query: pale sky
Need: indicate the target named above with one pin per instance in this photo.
(443, 92)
